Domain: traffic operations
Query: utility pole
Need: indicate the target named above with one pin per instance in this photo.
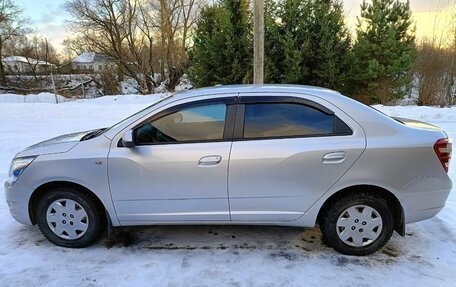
(258, 41)
(53, 86)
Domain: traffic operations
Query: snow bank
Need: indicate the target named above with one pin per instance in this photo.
(184, 84)
(126, 99)
(49, 98)
(31, 98)
(420, 112)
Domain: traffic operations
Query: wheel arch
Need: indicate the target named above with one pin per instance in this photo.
(393, 202)
(41, 190)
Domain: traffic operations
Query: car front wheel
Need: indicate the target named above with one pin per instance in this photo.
(357, 224)
(68, 217)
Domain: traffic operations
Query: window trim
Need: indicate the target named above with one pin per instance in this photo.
(238, 134)
(284, 100)
(228, 130)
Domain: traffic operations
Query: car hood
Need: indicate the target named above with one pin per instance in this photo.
(58, 144)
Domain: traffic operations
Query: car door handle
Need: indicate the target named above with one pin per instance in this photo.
(209, 160)
(335, 157)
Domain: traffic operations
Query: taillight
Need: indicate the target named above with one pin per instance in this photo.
(443, 150)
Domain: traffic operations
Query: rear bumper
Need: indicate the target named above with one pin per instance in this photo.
(17, 201)
(420, 205)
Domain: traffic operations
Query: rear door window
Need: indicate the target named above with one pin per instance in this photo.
(272, 120)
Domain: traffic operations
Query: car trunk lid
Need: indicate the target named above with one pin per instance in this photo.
(417, 124)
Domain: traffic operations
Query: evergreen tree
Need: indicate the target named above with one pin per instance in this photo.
(384, 51)
(209, 42)
(307, 42)
(239, 41)
(286, 41)
(273, 50)
(330, 60)
(222, 51)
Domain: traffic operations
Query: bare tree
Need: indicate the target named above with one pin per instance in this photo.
(11, 26)
(435, 67)
(451, 91)
(126, 30)
(174, 20)
(111, 27)
(432, 74)
(39, 53)
(74, 46)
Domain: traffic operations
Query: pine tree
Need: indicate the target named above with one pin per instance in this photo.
(206, 56)
(307, 42)
(330, 61)
(273, 51)
(222, 50)
(239, 42)
(286, 41)
(384, 51)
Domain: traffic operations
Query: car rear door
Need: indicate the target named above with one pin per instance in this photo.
(178, 169)
(287, 151)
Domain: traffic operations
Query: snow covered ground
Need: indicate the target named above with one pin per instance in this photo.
(207, 255)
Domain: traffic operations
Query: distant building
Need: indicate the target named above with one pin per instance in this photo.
(91, 62)
(23, 65)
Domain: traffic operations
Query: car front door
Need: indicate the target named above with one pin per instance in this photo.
(178, 169)
(287, 152)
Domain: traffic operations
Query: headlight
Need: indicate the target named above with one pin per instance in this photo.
(18, 166)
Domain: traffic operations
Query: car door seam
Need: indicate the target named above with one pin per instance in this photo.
(109, 181)
(229, 157)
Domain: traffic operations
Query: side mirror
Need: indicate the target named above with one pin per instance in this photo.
(128, 139)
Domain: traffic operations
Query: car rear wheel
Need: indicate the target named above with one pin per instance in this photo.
(357, 224)
(70, 218)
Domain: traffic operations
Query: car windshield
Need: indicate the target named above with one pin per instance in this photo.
(140, 111)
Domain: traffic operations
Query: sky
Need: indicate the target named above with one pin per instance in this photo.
(432, 17)
(48, 17)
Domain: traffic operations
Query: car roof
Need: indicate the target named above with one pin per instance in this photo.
(266, 88)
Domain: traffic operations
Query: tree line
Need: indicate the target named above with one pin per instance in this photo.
(308, 42)
(155, 42)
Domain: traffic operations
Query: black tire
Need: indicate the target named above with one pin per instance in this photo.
(95, 215)
(330, 215)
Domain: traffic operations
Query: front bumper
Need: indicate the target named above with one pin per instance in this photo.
(17, 201)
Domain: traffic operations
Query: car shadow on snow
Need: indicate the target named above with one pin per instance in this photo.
(280, 243)
(288, 244)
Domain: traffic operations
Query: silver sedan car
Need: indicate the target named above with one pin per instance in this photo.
(248, 154)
